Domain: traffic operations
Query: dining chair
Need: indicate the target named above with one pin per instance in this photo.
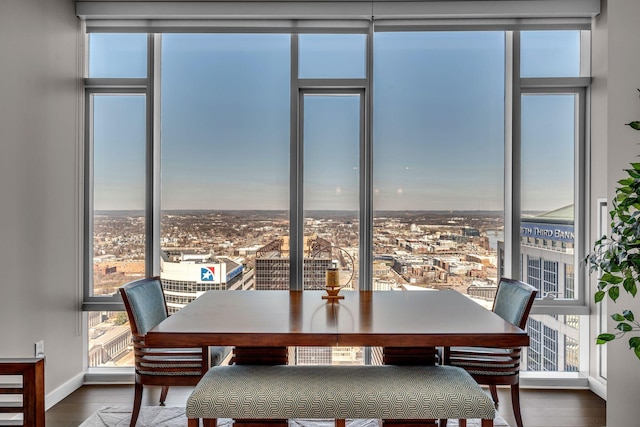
(146, 307)
(499, 366)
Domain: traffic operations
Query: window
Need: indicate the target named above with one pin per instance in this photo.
(552, 149)
(119, 233)
(116, 234)
(331, 140)
(550, 54)
(224, 163)
(253, 160)
(438, 148)
(332, 56)
(117, 55)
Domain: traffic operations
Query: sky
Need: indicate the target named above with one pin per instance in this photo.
(438, 121)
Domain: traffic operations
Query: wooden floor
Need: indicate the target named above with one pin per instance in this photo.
(548, 408)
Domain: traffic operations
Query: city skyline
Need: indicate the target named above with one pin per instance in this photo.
(438, 123)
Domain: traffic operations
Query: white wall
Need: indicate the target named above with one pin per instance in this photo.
(616, 102)
(39, 116)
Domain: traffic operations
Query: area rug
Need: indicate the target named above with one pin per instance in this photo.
(170, 416)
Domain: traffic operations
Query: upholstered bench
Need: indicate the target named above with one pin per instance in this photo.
(338, 392)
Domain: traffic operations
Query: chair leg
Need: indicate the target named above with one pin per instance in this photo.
(443, 422)
(209, 422)
(193, 422)
(462, 423)
(494, 394)
(163, 394)
(515, 400)
(487, 423)
(340, 423)
(137, 401)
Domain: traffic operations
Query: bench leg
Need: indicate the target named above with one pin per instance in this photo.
(209, 422)
(462, 423)
(341, 423)
(487, 423)
(193, 422)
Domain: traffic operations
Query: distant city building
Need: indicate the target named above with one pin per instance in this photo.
(272, 264)
(186, 275)
(272, 273)
(328, 356)
(108, 342)
(547, 263)
(485, 292)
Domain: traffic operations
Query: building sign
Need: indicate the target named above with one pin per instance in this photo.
(233, 273)
(207, 274)
(538, 230)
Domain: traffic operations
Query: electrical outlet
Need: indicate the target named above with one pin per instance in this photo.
(40, 349)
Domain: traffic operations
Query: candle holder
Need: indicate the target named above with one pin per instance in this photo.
(332, 283)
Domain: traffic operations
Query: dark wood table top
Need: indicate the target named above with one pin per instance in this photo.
(298, 318)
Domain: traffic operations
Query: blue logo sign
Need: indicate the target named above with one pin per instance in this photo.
(207, 274)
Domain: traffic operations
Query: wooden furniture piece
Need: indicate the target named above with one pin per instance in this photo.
(407, 319)
(414, 320)
(169, 366)
(339, 393)
(31, 390)
(499, 366)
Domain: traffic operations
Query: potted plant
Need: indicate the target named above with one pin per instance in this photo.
(617, 255)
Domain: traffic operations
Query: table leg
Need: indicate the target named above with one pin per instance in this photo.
(260, 356)
(410, 356)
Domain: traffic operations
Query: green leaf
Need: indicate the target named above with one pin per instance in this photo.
(604, 338)
(610, 278)
(630, 285)
(634, 342)
(614, 293)
(628, 315)
(637, 352)
(618, 317)
(599, 296)
(632, 173)
(635, 125)
(624, 327)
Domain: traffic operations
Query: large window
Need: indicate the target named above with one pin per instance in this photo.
(438, 152)
(552, 148)
(225, 102)
(406, 159)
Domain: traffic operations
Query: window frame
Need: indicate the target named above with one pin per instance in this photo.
(515, 87)
(121, 86)
(577, 86)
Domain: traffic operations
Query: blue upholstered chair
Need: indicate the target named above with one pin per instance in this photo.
(499, 366)
(146, 307)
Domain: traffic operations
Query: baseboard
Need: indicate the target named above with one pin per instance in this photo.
(109, 376)
(553, 380)
(63, 391)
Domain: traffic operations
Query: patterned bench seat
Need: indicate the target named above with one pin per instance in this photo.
(338, 392)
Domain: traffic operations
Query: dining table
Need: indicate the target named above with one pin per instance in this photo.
(408, 325)
(262, 326)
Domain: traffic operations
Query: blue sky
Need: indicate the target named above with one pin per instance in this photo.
(438, 121)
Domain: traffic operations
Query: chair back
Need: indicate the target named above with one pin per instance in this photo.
(513, 301)
(145, 304)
